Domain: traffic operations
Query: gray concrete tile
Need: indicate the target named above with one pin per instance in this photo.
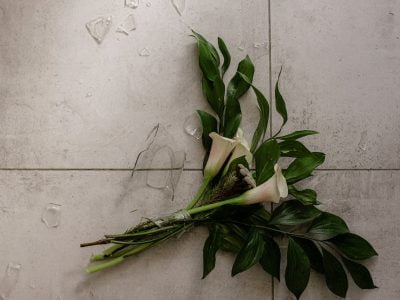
(369, 202)
(67, 102)
(95, 203)
(340, 77)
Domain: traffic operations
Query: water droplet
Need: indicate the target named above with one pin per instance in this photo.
(99, 27)
(179, 6)
(127, 25)
(148, 4)
(259, 45)
(88, 95)
(242, 46)
(193, 127)
(132, 3)
(9, 280)
(144, 52)
(51, 215)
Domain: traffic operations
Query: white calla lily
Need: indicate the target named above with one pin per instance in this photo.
(242, 149)
(272, 190)
(221, 148)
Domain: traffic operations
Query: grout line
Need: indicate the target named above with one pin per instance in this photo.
(168, 169)
(270, 107)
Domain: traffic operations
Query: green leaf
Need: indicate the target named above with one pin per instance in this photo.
(297, 134)
(271, 258)
(225, 54)
(293, 149)
(297, 272)
(280, 102)
(208, 57)
(302, 167)
(209, 124)
(353, 246)
(292, 212)
(237, 87)
(313, 253)
(266, 157)
(251, 253)
(306, 197)
(335, 276)
(210, 249)
(360, 274)
(327, 226)
(214, 92)
(259, 133)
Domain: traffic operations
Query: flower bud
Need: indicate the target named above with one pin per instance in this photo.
(270, 191)
(221, 148)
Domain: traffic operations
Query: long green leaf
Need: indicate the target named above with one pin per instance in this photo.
(210, 124)
(259, 133)
(292, 148)
(251, 253)
(353, 246)
(214, 92)
(327, 226)
(266, 157)
(360, 274)
(237, 87)
(303, 167)
(335, 276)
(297, 272)
(292, 212)
(306, 197)
(208, 57)
(280, 102)
(211, 246)
(297, 134)
(313, 253)
(225, 53)
(271, 258)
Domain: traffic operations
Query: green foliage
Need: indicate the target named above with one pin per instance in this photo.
(297, 273)
(280, 103)
(237, 87)
(327, 226)
(335, 276)
(313, 254)
(266, 156)
(225, 53)
(353, 246)
(306, 197)
(303, 167)
(297, 134)
(250, 253)
(360, 274)
(210, 249)
(292, 148)
(271, 258)
(209, 124)
(294, 213)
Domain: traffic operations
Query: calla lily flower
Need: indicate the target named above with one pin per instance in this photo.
(272, 190)
(221, 148)
(242, 149)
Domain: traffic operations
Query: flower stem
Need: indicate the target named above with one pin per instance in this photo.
(200, 192)
(234, 201)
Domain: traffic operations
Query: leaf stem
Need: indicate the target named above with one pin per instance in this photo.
(234, 201)
(200, 192)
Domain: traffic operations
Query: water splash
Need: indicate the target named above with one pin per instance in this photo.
(9, 280)
(51, 215)
(99, 27)
(128, 25)
(132, 3)
(144, 52)
(192, 126)
(179, 6)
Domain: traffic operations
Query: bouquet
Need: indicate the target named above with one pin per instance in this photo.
(238, 179)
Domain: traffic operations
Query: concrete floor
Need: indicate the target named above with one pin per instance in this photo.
(75, 114)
